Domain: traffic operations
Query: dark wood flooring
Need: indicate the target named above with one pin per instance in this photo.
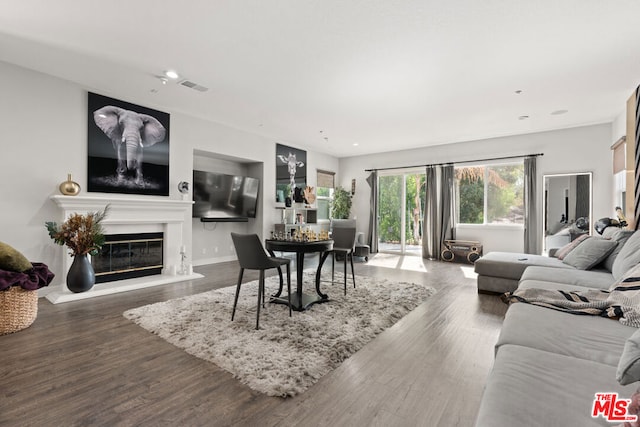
(83, 364)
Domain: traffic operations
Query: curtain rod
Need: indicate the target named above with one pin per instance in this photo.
(453, 163)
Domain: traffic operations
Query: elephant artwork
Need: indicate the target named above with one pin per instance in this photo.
(130, 133)
(130, 136)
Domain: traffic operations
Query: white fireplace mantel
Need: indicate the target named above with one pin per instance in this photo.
(129, 215)
(121, 209)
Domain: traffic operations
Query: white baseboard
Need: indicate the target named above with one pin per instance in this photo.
(59, 293)
(218, 260)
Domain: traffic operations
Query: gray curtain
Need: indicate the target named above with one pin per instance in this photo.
(447, 225)
(431, 237)
(531, 234)
(438, 210)
(582, 196)
(372, 235)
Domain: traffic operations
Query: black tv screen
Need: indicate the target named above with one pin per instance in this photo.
(224, 197)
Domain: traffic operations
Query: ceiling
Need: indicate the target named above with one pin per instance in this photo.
(344, 77)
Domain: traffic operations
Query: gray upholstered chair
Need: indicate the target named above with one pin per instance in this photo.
(360, 249)
(252, 256)
(344, 240)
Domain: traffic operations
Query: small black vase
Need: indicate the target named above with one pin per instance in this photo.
(81, 276)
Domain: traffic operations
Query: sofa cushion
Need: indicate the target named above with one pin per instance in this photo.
(598, 279)
(496, 285)
(537, 388)
(584, 337)
(511, 265)
(590, 253)
(564, 251)
(629, 256)
(629, 366)
(620, 236)
(552, 286)
(12, 260)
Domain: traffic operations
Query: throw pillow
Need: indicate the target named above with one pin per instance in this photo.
(629, 365)
(628, 257)
(629, 279)
(12, 260)
(564, 251)
(620, 236)
(590, 253)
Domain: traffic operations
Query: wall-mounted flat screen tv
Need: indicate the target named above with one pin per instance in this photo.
(222, 197)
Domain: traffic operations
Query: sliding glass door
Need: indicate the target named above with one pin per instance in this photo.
(401, 212)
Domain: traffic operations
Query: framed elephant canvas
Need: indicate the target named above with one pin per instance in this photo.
(128, 148)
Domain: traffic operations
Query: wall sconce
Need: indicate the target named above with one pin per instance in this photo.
(353, 186)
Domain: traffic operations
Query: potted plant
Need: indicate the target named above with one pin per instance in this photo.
(341, 207)
(83, 235)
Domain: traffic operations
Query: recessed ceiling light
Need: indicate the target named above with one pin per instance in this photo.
(559, 112)
(355, 144)
(171, 74)
(524, 117)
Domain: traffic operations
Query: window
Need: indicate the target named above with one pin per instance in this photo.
(491, 194)
(324, 193)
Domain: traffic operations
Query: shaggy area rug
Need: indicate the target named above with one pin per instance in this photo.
(288, 354)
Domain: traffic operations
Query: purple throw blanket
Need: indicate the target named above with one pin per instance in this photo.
(31, 280)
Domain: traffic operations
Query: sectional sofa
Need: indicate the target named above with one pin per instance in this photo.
(550, 364)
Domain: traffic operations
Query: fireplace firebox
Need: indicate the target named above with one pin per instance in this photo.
(127, 256)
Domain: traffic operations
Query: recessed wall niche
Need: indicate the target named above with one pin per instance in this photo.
(211, 242)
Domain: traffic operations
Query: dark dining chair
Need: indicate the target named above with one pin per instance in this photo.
(252, 256)
(344, 241)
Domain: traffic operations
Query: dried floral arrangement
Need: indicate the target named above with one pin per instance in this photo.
(82, 234)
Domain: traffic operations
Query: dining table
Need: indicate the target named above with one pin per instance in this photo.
(299, 299)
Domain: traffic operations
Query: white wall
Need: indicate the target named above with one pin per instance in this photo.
(619, 126)
(44, 137)
(582, 149)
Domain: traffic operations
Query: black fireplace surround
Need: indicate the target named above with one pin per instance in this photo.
(127, 256)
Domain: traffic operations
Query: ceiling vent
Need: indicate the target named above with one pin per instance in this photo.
(194, 86)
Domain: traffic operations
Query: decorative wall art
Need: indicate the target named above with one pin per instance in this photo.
(291, 173)
(128, 148)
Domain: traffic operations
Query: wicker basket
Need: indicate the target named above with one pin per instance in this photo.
(18, 309)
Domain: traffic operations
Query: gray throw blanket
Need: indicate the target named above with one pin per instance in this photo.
(621, 301)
